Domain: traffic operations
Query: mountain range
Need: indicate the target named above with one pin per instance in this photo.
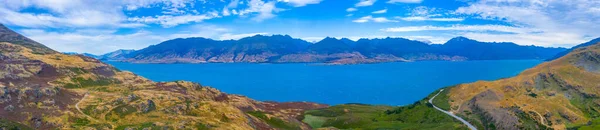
(285, 49)
(117, 55)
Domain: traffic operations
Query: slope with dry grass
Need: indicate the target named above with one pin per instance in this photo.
(46, 90)
(559, 94)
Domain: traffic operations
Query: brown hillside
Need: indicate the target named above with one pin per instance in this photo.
(42, 89)
(559, 94)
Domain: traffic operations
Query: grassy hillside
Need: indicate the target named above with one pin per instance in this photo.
(559, 94)
(417, 116)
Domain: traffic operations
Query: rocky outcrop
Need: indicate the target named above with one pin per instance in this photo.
(500, 118)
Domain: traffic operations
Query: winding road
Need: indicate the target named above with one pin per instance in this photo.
(88, 116)
(460, 119)
(79, 109)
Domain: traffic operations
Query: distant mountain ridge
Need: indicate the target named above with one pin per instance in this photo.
(285, 49)
(115, 55)
(592, 42)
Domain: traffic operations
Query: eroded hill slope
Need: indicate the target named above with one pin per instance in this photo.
(41, 89)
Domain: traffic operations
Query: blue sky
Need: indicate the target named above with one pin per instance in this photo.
(102, 26)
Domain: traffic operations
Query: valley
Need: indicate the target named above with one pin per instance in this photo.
(299, 65)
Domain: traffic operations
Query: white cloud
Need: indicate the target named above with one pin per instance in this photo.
(373, 19)
(137, 4)
(27, 19)
(114, 13)
(81, 13)
(363, 19)
(382, 20)
(70, 14)
(103, 41)
(233, 4)
(170, 21)
(91, 43)
(265, 10)
(380, 11)
(576, 18)
(425, 18)
(363, 3)
(226, 12)
(422, 11)
(477, 28)
(229, 36)
(300, 3)
(351, 9)
(405, 1)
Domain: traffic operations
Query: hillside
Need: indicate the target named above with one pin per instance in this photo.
(41, 89)
(559, 94)
(285, 49)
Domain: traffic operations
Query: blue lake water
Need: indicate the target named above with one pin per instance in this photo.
(386, 84)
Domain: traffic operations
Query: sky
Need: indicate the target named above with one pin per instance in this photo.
(98, 27)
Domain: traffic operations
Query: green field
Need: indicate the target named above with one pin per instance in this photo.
(420, 115)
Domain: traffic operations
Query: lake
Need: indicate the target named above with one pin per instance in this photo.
(398, 83)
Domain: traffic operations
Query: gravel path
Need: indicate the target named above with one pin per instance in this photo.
(460, 119)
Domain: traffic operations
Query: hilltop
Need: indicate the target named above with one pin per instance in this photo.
(285, 49)
(7, 35)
